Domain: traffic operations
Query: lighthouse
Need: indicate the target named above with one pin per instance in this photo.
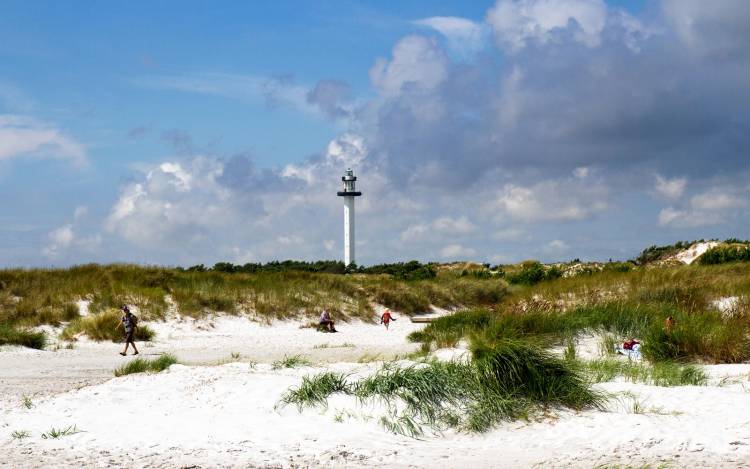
(349, 193)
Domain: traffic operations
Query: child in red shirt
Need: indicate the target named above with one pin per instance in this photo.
(386, 318)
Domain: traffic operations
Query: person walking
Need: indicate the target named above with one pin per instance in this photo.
(130, 323)
(386, 318)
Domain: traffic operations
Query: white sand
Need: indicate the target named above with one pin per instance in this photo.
(689, 255)
(225, 416)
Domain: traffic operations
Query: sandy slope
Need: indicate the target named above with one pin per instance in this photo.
(226, 416)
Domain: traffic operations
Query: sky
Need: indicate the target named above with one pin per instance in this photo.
(186, 132)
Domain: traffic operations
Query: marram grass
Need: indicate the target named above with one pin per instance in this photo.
(144, 365)
(504, 381)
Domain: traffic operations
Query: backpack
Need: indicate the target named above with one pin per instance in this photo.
(134, 320)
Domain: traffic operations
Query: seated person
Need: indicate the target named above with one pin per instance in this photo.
(326, 323)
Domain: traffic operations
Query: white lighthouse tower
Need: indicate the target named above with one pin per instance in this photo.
(349, 193)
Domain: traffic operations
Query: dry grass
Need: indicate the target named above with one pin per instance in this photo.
(41, 296)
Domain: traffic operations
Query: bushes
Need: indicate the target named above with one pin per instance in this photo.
(507, 380)
(698, 335)
(724, 254)
(142, 365)
(533, 272)
(103, 326)
(10, 335)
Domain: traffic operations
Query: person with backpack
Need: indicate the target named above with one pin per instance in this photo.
(130, 323)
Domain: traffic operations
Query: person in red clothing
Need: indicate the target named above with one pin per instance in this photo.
(628, 344)
(386, 318)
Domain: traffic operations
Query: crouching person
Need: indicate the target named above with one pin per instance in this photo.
(326, 322)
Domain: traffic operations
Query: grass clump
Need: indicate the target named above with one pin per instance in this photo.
(103, 326)
(143, 365)
(10, 335)
(508, 380)
(292, 361)
(20, 434)
(658, 374)
(55, 433)
(314, 391)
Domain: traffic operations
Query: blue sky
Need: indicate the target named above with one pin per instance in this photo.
(186, 132)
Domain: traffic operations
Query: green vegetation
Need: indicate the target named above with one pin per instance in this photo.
(704, 335)
(143, 365)
(726, 253)
(533, 272)
(39, 296)
(55, 433)
(20, 434)
(104, 326)
(10, 335)
(658, 374)
(506, 380)
(293, 361)
(26, 401)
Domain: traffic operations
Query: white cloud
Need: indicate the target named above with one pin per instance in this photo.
(59, 239)
(581, 173)
(509, 234)
(708, 208)
(23, 136)
(454, 226)
(80, 212)
(416, 61)
(515, 23)
(556, 247)
(550, 201)
(456, 251)
(670, 188)
(172, 202)
(414, 232)
(464, 36)
(715, 200)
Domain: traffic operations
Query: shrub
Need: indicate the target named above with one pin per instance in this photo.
(142, 365)
(10, 335)
(724, 254)
(104, 326)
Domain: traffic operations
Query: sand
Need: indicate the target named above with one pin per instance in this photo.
(209, 415)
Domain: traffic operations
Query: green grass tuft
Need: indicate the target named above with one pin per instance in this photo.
(20, 434)
(143, 365)
(10, 335)
(509, 380)
(658, 374)
(55, 433)
(293, 361)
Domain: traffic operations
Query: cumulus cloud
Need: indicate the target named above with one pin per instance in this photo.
(457, 251)
(24, 136)
(417, 62)
(464, 36)
(712, 207)
(670, 188)
(517, 22)
(550, 201)
(59, 239)
(564, 126)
